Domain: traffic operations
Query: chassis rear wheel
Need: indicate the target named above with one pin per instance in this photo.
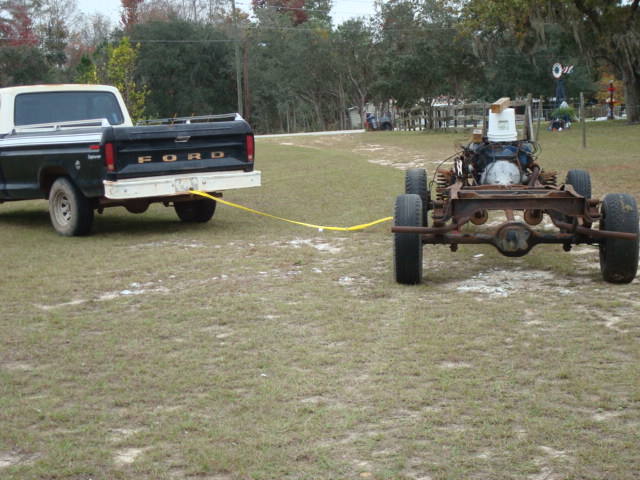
(195, 211)
(619, 258)
(407, 247)
(415, 183)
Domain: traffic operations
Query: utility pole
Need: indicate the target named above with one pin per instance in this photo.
(238, 66)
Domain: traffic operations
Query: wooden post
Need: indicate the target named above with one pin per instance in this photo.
(236, 40)
(528, 120)
(582, 121)
(500, 105)
(484, 118)
(539, 116)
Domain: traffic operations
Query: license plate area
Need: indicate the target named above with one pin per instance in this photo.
(185, 184)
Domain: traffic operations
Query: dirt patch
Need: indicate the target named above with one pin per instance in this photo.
(318, 244)
(17, 367)
(10, 459)
(132, 289)
(503, 283)
(119, 434)
(127, 456)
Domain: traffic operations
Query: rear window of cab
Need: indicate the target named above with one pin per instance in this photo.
(55, 107)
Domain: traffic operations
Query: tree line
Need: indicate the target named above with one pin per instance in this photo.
(299, 71)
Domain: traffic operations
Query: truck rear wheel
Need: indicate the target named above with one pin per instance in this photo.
(70, 211)
(195, 211)
(619, 258)
(407, 247)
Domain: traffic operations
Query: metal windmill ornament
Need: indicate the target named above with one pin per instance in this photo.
(558, 71)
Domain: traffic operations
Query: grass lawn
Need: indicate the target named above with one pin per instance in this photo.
(249, 348)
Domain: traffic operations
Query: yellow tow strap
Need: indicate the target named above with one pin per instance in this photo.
(319, 227)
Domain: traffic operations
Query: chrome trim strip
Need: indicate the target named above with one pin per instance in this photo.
(49, 139)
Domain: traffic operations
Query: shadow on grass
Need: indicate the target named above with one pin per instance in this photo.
(446, 268)
(130, 224)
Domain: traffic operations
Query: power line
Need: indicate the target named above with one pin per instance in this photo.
(183, 41)
(248, 7)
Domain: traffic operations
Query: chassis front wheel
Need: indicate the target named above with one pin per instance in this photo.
(407, 247)
(580, 180)
(415, 182)
(618, 257)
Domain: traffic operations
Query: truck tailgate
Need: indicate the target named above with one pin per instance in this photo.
(145, 151)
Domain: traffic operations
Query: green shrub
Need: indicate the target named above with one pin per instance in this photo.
(561, 112)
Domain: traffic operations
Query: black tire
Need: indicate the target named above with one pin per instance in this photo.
(619, 258)
(195, 211)
(70, 211)
(580, 180)
(407, 247)
(387, 127)
(415, 183)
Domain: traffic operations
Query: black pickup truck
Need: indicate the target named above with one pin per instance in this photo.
(76, 146)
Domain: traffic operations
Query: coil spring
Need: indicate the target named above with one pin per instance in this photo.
(549, 178)
(442, 180)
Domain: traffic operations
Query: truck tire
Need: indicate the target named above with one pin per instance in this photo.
(580, 180)
(195, 211)
(407, 247)
(619, 258)
(70, 211)
(415, 183)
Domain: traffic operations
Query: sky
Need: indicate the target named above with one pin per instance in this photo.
(342, 9)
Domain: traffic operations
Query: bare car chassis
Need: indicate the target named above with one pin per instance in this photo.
(462, 201)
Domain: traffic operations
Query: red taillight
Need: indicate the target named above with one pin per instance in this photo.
(250, 148)
(109, 157)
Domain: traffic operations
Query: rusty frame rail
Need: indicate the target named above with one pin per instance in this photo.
(467, 201)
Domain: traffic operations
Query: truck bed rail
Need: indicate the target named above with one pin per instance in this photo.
(228, 117)
(56, 126)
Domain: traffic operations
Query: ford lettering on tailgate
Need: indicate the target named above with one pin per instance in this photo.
(174, 157)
